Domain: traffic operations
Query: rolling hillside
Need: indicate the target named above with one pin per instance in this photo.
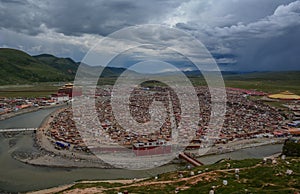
(18, 67)
(65, 65)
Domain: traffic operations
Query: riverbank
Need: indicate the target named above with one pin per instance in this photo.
(57, 158)
(241, 176)
(18, 176)
(240, 144)
(52, 157)
(65, 187)
(27, 110)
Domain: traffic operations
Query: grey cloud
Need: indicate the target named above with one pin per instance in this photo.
(52, 43)
(222, 13)
(235, 32)
(77, 17)
(284, 17)
(14, 1)
(274, 53)
(19, 16)
(244, 40)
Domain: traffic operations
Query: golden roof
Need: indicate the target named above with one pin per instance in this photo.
(285, 96)
(69, 85)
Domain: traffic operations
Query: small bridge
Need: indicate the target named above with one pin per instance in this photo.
(16, 130)
(190, 159)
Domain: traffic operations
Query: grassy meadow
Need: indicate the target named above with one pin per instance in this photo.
(269, 82)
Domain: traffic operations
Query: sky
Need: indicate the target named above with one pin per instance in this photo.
(241, 35)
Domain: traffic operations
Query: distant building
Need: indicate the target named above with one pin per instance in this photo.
(70, 90)
(245, 91)
(151, 148)
(60, 97)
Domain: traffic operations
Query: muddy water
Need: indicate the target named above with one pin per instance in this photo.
(27, 120)
(16, 176)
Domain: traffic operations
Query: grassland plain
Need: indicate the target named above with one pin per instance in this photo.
(47, 88)
(29, 90)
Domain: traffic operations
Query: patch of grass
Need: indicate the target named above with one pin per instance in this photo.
(223, 165)
(26, 94)
(158, 189)
(100, 184)
(259, 178)
(90, 185)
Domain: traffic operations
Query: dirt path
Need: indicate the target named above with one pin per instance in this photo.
(64, 187)
(52, 190)
(208, 176)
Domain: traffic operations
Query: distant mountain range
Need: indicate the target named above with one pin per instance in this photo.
(18, 67)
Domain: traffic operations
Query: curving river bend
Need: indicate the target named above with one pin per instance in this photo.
(16, 176)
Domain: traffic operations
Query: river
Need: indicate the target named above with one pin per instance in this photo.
(16, 176)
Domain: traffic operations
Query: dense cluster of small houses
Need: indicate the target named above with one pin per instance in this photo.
(64, 94)
(244, 118)
(8, 105)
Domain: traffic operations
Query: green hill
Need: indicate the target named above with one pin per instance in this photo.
(66, 65)
(18, 67)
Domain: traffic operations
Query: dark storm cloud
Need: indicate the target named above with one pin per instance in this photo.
(274, 53)
(20, 16)
(242, 35)
(76, 17)
(13, 1)
(267, 43)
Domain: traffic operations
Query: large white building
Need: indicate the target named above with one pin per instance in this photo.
(60, 97)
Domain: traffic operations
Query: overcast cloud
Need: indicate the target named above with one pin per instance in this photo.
(243, 35)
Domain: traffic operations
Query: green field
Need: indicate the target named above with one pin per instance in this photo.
(266, 86)
(270, 82)
(36, 90)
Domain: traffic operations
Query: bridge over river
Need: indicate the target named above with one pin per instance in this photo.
(16, 130)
